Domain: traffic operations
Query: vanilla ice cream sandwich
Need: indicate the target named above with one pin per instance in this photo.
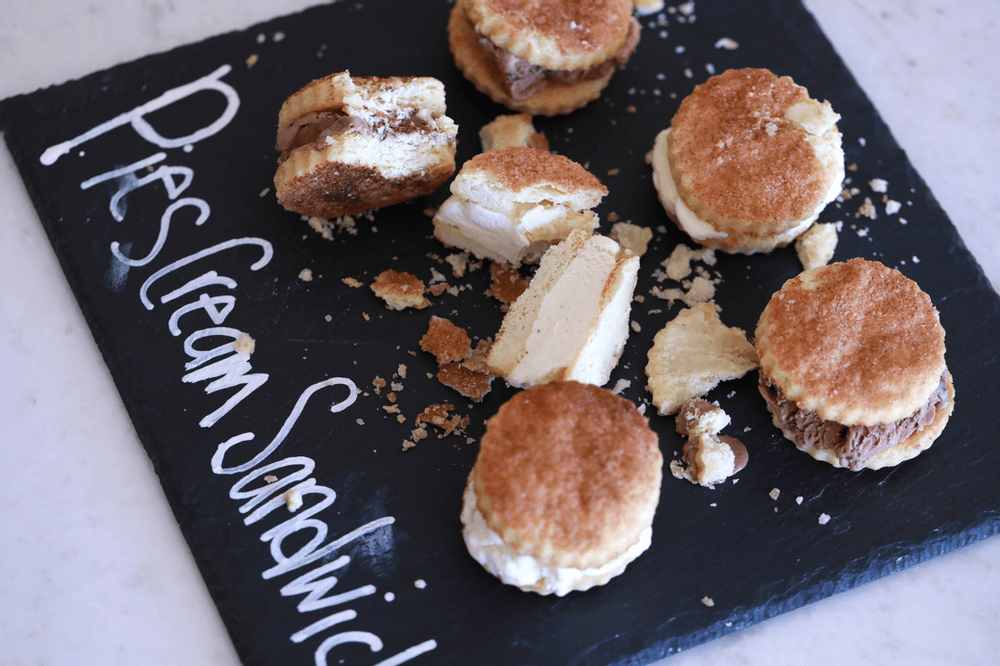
(353, 144)
(748, 162)
(852, 365)
(573, 320)
(564, 489)
(547, 57)
(510, 205)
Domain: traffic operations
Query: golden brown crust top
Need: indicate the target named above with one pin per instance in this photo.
(568, 473)
(856, 341)
(520, 167)
(556, 34)
(734, 153)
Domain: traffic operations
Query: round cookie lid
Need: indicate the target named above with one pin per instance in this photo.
(554, 34)
(856, 342)
(568, 473)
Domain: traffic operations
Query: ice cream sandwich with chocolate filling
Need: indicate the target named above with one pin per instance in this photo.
(350, 144)
(545, 57)
(852, 365)
(564, 489)
(748, 162)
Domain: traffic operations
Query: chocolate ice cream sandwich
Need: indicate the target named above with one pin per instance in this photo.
(352, 144)
(546, 57)
(852, 365)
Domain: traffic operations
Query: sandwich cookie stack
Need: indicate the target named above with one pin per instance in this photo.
(353, 144)
(748, 162)
(546, 57)
(510, 205)
(852, 365)
(564, 489)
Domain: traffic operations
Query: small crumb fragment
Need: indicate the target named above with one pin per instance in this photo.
(419, 583)
(293, 500)
(507, 283)
(709, 458)
(351, 282)
(514, 130)
(252, 60)
(774, 494)
(816, 246)
(400, 290)
(727, 43)
(798, 500)
(631, 237)
(306, 275)
(708, 601)
(824, 518)
(244, 345)
(878, 185)
(867, 209)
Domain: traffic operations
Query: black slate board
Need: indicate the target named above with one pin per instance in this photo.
(754, 556)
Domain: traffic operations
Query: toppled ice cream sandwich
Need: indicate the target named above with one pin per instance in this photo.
(353, 144)
(573, 320)
(852, 365)
(510, 205)
(547, 57)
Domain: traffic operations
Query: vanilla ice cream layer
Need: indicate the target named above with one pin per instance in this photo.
(524, 571)
(581, 321)
(519, 237)
(694, 226)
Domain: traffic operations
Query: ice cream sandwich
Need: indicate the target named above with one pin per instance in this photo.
(572, 322)
(351, 144)
(852, 365)
(510, 205)
(748, 162)
(564, 489)
(546, 57)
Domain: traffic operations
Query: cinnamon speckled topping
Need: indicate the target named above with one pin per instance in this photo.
(574, 26)
(520, 167)
(568, 473)
(857, 342)
(736, 154)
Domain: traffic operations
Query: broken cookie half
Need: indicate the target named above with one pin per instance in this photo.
(709, 458)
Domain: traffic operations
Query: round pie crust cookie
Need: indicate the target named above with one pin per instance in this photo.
(853, 365)
(563, 492)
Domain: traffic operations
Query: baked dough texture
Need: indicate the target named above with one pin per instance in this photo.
(692, 354)
(392, 142)
(510, 205)
(568, 476)
(579, 41)
(858, 344)
(749, 161)
(573, 320)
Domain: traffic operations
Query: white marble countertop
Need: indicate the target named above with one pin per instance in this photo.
(93, 568)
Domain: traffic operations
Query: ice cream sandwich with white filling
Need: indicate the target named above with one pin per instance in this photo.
(564, 489)
(510, 205)
(748, 162)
